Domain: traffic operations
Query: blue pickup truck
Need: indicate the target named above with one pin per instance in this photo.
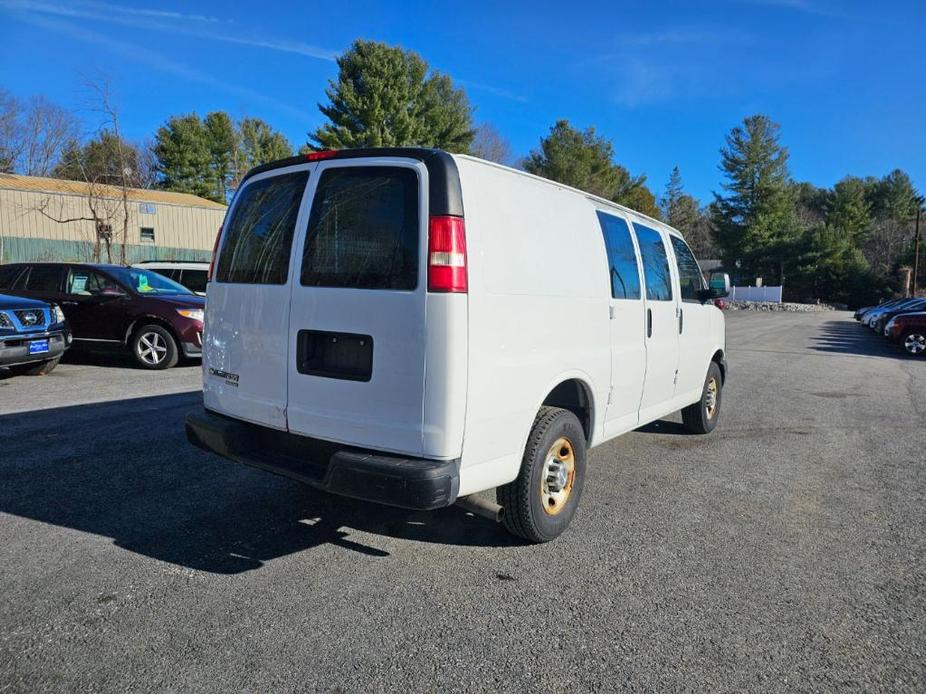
(33, 335)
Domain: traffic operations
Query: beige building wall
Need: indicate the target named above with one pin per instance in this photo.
(38, 220)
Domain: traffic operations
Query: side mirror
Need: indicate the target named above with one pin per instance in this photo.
(719, 284)
(718, 287)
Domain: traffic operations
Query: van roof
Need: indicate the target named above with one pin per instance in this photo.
(446, 196)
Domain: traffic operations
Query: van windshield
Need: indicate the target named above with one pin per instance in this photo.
(147, 283)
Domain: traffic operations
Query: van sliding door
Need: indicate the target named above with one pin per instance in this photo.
(628, 349)
(661, 326)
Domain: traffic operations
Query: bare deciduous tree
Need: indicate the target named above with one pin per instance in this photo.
(108, 185)
(33, 133)
(489, 144)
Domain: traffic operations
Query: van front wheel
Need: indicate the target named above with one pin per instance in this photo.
(702, 416)
(541, 501)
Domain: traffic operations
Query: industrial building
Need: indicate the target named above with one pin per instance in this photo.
(53, 219)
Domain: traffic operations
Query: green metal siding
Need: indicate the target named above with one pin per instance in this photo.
(17, 249)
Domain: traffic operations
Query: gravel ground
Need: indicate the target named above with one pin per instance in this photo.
(784, 551)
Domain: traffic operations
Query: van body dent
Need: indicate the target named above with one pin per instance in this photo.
(410, 327)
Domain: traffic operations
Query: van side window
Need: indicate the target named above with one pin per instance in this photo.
(622, 258)
(364, 229)
(259, 237)
(689, 274)
(655, 264)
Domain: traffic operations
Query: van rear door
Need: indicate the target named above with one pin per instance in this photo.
(357, 336)
(246, 336)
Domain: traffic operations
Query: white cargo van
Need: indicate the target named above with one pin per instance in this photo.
(411, 327)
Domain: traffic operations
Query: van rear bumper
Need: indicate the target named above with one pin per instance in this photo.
(415, 483)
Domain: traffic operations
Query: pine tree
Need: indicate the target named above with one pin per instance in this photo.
(222, 140)
(386, 96)
(209, 157)
(755, 221)
(183, 157)
(849, 211)
(584, 160)
(679, 209)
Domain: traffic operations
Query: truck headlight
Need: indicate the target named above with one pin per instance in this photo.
(193, 313)
(57, 315)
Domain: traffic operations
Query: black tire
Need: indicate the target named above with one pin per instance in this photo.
(913, 342)
(524, 499)
(701, 417)
(43, 368)
(154, 348)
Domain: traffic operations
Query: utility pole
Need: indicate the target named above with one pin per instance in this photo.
(916, 243)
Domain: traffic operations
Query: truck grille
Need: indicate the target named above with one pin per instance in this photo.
(31, 318)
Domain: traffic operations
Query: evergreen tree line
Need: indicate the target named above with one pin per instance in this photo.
(847, 243)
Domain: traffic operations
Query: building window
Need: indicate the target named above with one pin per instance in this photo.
(147, 234)
(147, 208)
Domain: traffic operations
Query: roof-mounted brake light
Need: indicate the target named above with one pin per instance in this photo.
(323, 154)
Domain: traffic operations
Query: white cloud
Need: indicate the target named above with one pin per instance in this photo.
(168, 22)
(160, 62)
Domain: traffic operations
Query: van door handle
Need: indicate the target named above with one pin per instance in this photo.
(69, 303)
(681, 321)
(649, 322)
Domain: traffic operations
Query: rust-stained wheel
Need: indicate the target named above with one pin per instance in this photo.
(541, 502)
(701, 417)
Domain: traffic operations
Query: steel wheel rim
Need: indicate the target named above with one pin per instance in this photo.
(152, 348)
(915, 343)
(710, 398)
(559, 476)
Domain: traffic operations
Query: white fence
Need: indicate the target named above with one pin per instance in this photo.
(772, 294)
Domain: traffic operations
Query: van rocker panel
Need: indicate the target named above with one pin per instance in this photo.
(414, 483)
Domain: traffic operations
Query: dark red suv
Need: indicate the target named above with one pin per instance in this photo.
(113, 306)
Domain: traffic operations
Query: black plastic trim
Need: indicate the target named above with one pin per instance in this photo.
(407, 482)
(444, 191)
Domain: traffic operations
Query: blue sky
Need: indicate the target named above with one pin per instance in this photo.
(664, 80)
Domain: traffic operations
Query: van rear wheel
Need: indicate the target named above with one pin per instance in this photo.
(702, 416)
(540, 503)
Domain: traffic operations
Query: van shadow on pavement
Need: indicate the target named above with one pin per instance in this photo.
(125, 470)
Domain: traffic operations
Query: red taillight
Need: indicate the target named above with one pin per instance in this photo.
(447, 255)
(323, 154)
(215, 249)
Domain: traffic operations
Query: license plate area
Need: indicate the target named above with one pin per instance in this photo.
(38, 347)
(346, 356)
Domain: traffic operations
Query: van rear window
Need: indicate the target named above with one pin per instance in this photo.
(259, 236)
(364, 228)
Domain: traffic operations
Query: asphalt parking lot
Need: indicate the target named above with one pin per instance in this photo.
(787, 550)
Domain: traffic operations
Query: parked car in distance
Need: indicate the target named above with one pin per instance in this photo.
(33, 335)
(859, 315)
(909, 331)
(111, 306)
(191, 274)
(412, 327)
(871, 317)
(884, 316)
